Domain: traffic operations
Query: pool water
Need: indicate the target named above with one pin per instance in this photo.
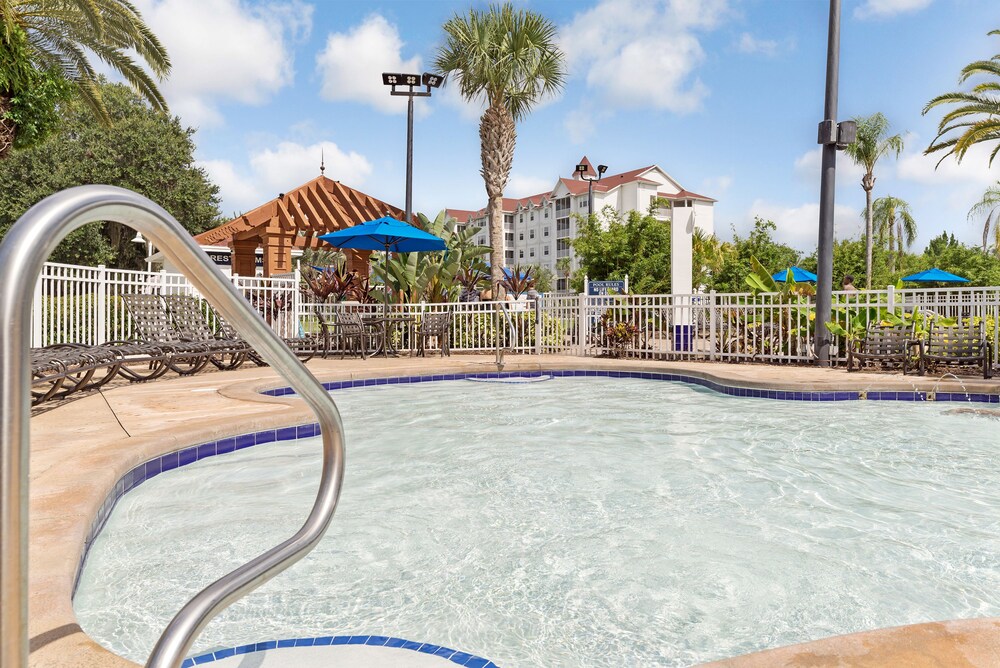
(576, 522)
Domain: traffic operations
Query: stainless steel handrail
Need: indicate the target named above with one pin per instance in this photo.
(22, 254)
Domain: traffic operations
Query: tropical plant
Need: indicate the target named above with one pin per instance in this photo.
(54, 38)
(759, 244)
(872, 143)
(975, 118)
(320, 258)
(509, 59)
(894, 226)
(331, 281)
(990, 206)
(518, 279)
(470, 278)
(610, 246)
(708, 255)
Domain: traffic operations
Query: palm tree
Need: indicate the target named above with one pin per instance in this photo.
(894, 222)
(976, 118)
(872, 143)
(509, 59)
(989, 205)
(58, 36)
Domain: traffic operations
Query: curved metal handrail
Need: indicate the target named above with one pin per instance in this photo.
(24, 250)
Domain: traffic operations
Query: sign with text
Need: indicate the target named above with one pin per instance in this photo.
(225, 259)
(595, 288)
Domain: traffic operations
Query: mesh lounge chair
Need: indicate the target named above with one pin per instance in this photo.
(152, 325)
(188, 316)
(960, 345)
(304, 347)
(435, 326)
(62, 369)
(890, 344)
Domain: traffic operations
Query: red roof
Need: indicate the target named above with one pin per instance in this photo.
(590, 169)
(686, 194)
(462, 215)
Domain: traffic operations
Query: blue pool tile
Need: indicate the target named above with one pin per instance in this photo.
(428, 648)
(322, 641)
(340, 640)
(168, 461)
(288, 642)
(305, 642)
(358, 640)
(266, 436)
(285, 434)
(409, 644)
(444, 652)
(246, 649)
(476, 663)
(187, 456)
(377, 640)
(905, 396)
(206, 450)
(381, 381)
(187, 663)
(395, 642)
(225, 445)
(392, 381)
(244, 441)
(204, 658)
(460, 658)
(306, 431)
(266, 645)
(225, 653)
(369, 381)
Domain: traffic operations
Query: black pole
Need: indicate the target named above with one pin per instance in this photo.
(590, 197)
(824, 273)
(409, 161)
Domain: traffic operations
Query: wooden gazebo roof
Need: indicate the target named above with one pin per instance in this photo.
(314, 208)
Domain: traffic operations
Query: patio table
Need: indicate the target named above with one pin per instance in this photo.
(385, 327)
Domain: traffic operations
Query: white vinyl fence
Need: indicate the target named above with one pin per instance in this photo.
(75, 304)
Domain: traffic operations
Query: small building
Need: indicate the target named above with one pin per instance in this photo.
(263, 241)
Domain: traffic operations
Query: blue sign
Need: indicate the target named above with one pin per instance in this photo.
(605, 288)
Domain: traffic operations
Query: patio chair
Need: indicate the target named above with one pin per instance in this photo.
(153, 326)
(959, 345)
(188, 316)
(63, 369)
(884, 344)
(434, 325)
(346, 332)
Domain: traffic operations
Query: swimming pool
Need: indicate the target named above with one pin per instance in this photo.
(576, 522)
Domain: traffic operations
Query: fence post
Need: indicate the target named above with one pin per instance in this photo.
(891, 292)
(38, 315)
(713, 326)
(582, 322)
(538, 325)
(297, 302)
(102, 305)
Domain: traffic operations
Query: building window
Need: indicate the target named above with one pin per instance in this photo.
(521, 254)
(531, 234)
(520, 237)
(545, 231)
(546, 213)
(546, 250)
(532, 252)
(509, 237)
(561, 284)
(532, 215)
(521, 218)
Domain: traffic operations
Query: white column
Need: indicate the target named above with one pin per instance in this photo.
(681, 234)
(102, 306)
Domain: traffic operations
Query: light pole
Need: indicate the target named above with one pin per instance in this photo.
(582, 171)
(139, 239)
(411, 82)
(833, 136)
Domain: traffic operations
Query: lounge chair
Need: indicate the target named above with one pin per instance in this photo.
(885, 344)
(434, 326)
(188, 316)
(304, 347)
(62, 369)
(153, 326)
(959, 345)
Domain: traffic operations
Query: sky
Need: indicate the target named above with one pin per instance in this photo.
(724, 95)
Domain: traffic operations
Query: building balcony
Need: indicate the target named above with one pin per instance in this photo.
(562, 252)
(563, 213)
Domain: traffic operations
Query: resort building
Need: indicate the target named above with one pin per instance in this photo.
(539, 229)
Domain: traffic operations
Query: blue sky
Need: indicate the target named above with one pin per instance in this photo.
(725, 95)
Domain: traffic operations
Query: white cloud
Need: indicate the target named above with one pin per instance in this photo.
(282, 168)
(450, 95)
(222, 50)
(750, 44)
(521, 185)
(808, 166)
(580, 125)
(352, 63)
(882, 9)
(715, 187)
(798, 226)
(621, 46)
(974, 169)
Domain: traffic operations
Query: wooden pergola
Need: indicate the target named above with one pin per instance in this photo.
(295, 220)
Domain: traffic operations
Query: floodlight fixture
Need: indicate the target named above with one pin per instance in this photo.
(391, 79)
(582, 169)
(432, 80)
(601, 169)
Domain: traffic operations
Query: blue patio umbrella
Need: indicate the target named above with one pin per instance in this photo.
(798, 273)
(934, 275)
(388, 235)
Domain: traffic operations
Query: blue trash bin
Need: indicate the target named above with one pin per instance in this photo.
(682, 337)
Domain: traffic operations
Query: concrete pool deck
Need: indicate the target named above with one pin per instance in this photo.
(80, 449)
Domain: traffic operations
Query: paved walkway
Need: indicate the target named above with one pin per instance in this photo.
(80, 449)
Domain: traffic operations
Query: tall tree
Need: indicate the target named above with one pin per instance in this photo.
(894, 221)
(872, 143)
(41, 39)
(508, 58)
(989, 205)
(145, 151)
(975, 118)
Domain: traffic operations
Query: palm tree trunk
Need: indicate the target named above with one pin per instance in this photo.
(892, 244)
(497, 136)
(868, 184)
(8, 129)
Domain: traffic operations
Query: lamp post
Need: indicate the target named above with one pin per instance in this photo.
(139, 239)
(582, 171)
(410, 83)
(833, 137)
